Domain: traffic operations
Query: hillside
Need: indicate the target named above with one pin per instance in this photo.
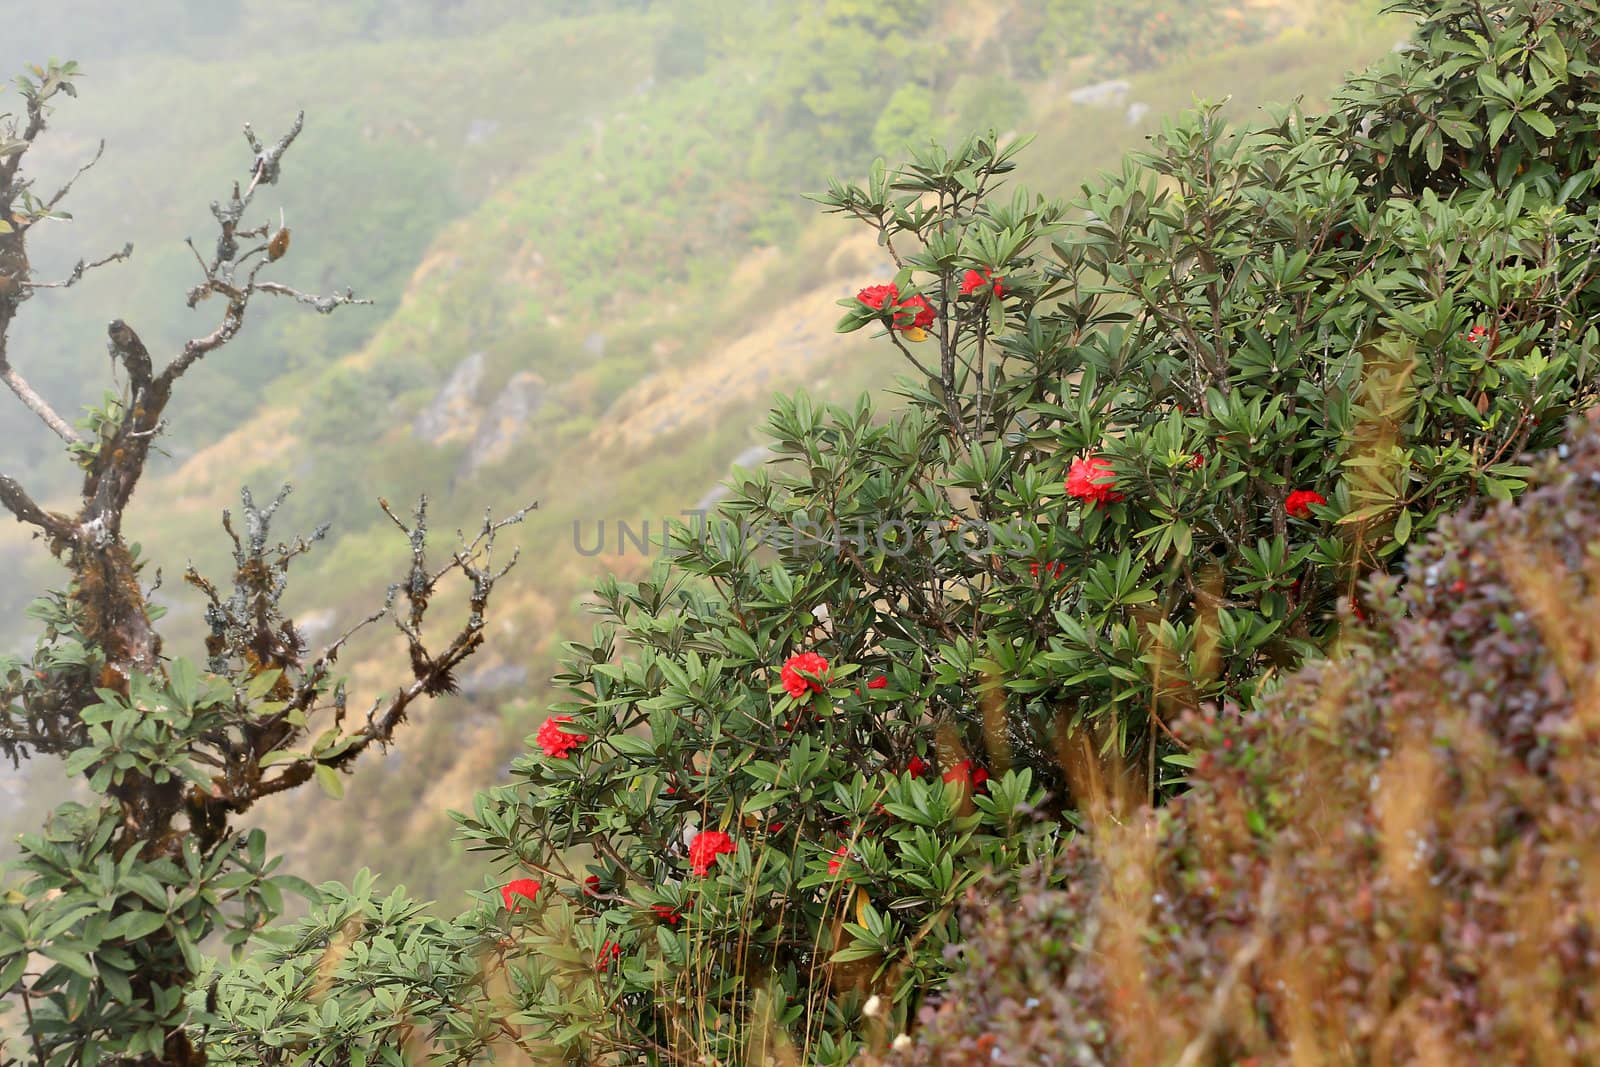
(591, 267)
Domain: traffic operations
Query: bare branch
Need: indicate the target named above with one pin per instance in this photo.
(80, 268)
(36, 403)
(65, 189)
(19, 503)
(433, 673)
(323, 304)
(198, 348)
(221, 273)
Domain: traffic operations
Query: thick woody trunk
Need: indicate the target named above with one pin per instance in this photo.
(115, 616)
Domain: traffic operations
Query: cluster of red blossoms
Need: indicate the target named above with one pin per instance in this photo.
(1476, 334)
(1299, 503)
(1092, 479)
(912, 313)
(806, 672)
(974, 280)
(526, 888)
(556, 742)
(968, 775)
(880, 682)
(706, 847)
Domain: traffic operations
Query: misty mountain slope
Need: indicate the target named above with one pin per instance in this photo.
(401, 138)
(602, 331)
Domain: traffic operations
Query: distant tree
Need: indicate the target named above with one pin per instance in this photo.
(100, 926)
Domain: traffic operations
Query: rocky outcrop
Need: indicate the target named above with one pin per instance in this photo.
(503, 423)
(453, 412)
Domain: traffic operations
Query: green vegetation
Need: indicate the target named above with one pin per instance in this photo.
(1389, 855)
(1163, 445)
(1153, 444)
(662, 306)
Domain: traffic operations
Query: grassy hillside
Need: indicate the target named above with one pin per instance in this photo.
(631, 262)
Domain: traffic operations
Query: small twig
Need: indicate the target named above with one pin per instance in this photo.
(62, 192)
(80, 268)
(33, 1031)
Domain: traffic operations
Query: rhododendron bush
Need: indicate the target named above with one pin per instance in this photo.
(1152, 443)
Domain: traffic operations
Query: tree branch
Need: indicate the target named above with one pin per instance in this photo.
(323, 304)
(36, 403)
(19, 503)
(80, 268)
(65, 189)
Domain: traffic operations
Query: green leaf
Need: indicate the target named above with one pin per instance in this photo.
(1539, 122)
(71, 959)
(185, 683)
(142, 924)
(329, 780)
(12, 972)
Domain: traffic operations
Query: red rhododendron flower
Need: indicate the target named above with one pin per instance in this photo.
(914, 313)
(665, 913)
(555, 741)
(974, 280)
(797, 684)
(1476, 334)
(877, 297)
(1197, 461)
(608, 952)
(706, 847)
(1300, 501)
(836, 864)
(917, 767)
(1052, 569)
(1092, 479)
(526, 888)
(964, 773)
(591, 885)
(880, 682)
(1460, 586)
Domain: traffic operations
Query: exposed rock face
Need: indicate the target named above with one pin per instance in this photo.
(488, 680)
(480, 130)
(503, 423)
(1100, 94)
(453, 412)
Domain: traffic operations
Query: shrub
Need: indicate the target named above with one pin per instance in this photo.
(1389, 859)
(1149, 452)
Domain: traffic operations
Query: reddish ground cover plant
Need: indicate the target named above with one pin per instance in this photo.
(1391, 859)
